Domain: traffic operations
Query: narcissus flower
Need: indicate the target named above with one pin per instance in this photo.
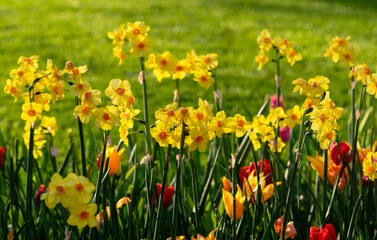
(317, 86)
(113, 156)
(210, 60)
(293, 116)
(370, 165)
(204, 78)
(261, 59)
(141, 46)
(228, 202)
(91, 98)
(322, 233)
(162, 134)
(239, 125)
(211, 236)
(84, 112)
(79, 89)
(83, 215)
(136, 29)
(107, 117)
(118, 35)
(372, 85)
(293, 56)
(264, 40)
(31, 111)
(119, 92)
(29, 63)
(219, 124)
(49, 124)
(168, 115)
(363, 74)
(13, 88)
(198, 139)
(59, 191)
(168, 194)
(83, 189)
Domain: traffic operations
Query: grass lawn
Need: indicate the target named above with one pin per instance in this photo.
(77, 30)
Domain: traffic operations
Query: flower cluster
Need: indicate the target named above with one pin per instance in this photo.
(136, 38)
(73, 192)
(340, 49)
(120, 113)
(281, 46)
(363, 74)
(166, 65)
(199, 123)
(264, 128)
(37, 88)
(324, 115)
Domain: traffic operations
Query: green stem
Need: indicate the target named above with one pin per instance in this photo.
(277, 77)
(177, 94)
(195, 191)
(145, 102)
(29, 180)
(234, 186)
(217, 99)
(297, 160)
(178, 183)
(324, 185)
(162, 194)
(82, 147)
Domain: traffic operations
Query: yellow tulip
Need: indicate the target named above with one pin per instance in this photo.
(228, 202)
(250, 185)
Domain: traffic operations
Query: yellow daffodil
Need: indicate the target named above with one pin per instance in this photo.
(228, 202)
(49, 123)
(83, 215)
(372, 85)
(239, 125)
(370, 166)
(82, 188)
(293, 56)
(363, 74)
(162, 134)
(264, 40)
(219, 124)
(31, 111)
(210, 60)
(56, 90)
(107, 117)
(91, 98)
(123, 132)
(204, 78)
(141, 46)
(84, 112)
(198, 139)
(119, 53)
(168, 115)
(29, 63)
(293, 116)
(13, 88)
(136, 29)
(119, 92)
(261, 59)
(317, 86)
(79, 89)
(182, 68)
(118, 35)
(43, 99)
(59, 191)
(301, 85)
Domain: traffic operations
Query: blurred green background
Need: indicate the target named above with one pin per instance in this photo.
(77, 30)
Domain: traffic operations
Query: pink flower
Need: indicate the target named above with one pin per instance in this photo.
(273, 101)
(285, 134)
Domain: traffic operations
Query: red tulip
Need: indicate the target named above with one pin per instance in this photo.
(273, 101)
(249, 169)
(322, 233)
(2, 158)
(344, 149)
(38, 193)
(168, 195)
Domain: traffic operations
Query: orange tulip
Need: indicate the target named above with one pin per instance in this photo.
(228, 202)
